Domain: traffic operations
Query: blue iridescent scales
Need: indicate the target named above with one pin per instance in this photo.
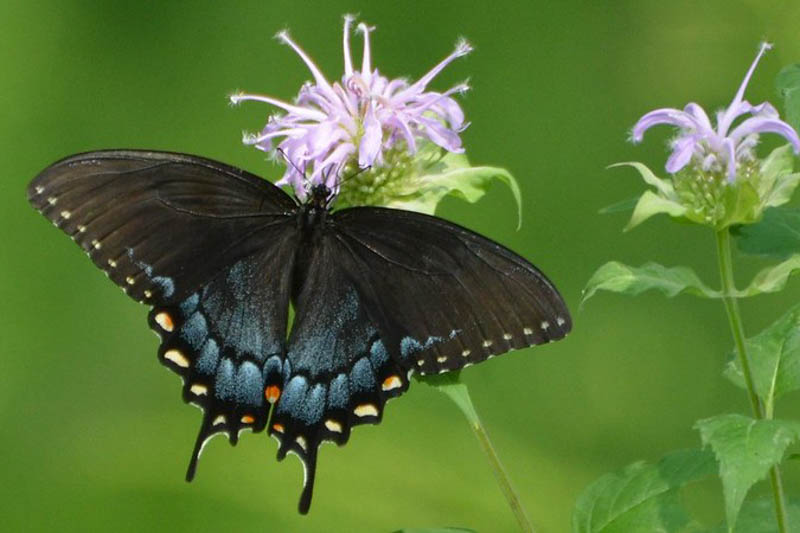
(219, 254)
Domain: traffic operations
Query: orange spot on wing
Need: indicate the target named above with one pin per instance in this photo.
(272, 393)
(278, 427)
(165, 321)
(392, 382)
(247, 419)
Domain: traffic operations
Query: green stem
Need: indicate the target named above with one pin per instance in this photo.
(737, 329)
(458, 392)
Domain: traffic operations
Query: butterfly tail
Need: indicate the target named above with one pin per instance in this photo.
(309, 471)
(202, 437)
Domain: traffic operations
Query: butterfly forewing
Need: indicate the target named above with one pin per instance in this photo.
(160, 224)
(451, 296)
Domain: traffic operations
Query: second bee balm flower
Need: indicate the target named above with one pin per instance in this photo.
(717, 178)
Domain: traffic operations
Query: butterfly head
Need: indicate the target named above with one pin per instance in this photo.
(321, 196)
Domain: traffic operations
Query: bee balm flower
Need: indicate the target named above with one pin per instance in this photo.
(719, 149)
(363, 121)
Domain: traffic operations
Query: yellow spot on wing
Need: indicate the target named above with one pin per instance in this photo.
(333, 425)
(247, 419)
(177, 357)
(366, 409)
(198, 389)
(278, 427)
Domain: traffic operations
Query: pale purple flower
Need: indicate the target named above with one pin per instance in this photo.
(358, 121)
(720, 149)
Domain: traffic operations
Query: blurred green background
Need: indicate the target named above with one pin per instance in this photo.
(95, 436)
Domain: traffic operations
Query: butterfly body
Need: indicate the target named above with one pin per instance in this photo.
(219, 254)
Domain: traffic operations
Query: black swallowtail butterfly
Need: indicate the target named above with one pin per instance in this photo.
(219, 254)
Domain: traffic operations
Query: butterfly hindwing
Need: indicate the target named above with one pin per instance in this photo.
(227, 340)
(452, 296)
(159, 224)
(341, 368)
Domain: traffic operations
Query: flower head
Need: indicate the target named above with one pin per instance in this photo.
(363, 121)
(719, 149)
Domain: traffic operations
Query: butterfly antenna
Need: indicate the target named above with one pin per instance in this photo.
(353, 175)
(299, 171)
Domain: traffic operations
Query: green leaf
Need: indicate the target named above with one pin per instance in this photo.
(434, 176)
(774, 356)
(746, 449)
(662, 186)
(617, 277)
(450, 384)
(419, 182)
(788, 84)
(642, 498)
(777, 234)
(742, 205)
(467, 183)
(774, 181)
(772, 279)
(619, 207)
(758, 516)
(650, 204)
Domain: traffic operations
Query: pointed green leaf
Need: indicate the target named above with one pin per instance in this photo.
(746, 449)
(777, 234)
(662, 186)
(467, 183)
(782, 191)
(619, 207)
(758, 516)
(617, 277)
(774, 181)
(450, 384)
(420, 182)
(779, 161)
(774, 356)
(772, 279)
(650, 204)
(642, 498)
(788, 84)
(742, 205)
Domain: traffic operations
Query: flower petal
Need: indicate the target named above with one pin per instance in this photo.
(370, 143)
(462, 48)
(348, 60)
(736, 108)
(681, 154)
(667, 115)
(766, 125)
(319, 78)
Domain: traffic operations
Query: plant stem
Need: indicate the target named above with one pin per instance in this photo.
(458, 392)
(737, 329)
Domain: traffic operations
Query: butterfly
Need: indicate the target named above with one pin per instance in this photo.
(220, 254)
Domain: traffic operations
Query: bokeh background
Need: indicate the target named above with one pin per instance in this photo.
(94, 434)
